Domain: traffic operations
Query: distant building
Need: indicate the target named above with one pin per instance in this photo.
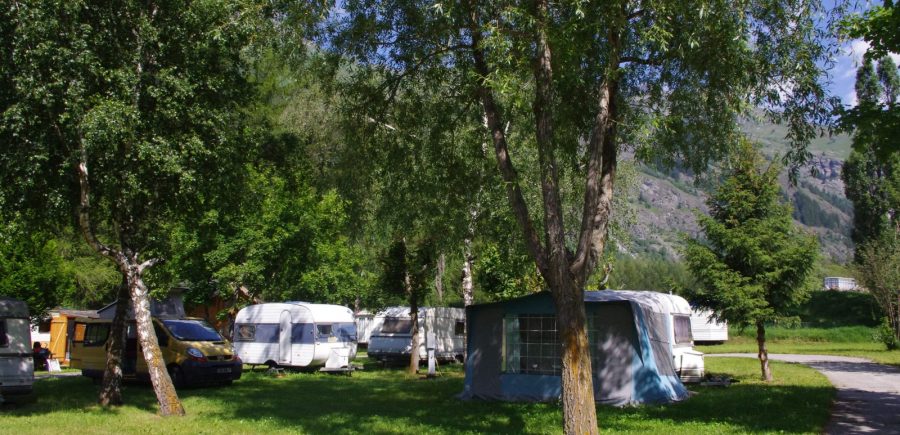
(841, 284)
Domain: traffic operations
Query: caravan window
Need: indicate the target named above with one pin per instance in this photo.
(95, 334)
(345, 331)
(532, 345)
(342, 331)
(302, 333)
(395, 325)
(683, 330)
(244, 332)
(460, 328)
(4, 339)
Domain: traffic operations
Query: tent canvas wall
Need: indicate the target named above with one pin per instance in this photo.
(514, 351)
(16, 363)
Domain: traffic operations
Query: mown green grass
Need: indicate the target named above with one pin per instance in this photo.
(846, 341)
(390, 401)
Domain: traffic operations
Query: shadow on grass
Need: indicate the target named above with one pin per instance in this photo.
(389, 401)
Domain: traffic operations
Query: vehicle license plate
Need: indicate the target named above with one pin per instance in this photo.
(224, 370)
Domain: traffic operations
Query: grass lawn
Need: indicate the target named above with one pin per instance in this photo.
(846, 341)
(389, 401)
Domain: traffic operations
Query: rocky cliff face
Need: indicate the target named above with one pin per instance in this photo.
(666, 205)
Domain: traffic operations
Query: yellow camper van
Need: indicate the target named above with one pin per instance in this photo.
(193, 351)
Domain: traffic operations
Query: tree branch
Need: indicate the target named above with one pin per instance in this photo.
(600, 173)
(543, 117)
(501, 150)
(84, 208)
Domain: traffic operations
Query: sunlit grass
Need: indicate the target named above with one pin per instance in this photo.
(845, 341)
(390, 401)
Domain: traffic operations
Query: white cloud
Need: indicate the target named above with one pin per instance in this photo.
(856, 50)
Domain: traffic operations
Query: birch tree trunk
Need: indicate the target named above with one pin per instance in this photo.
(169, 404)
(439, 277)
(763, 352)
(468, 283)
(111, 389)
(132, 271)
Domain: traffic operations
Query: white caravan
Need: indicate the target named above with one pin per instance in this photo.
(16, 362)
(365, 325)
(295, 334)
(391, 337)
(677, 316)
(706, 329)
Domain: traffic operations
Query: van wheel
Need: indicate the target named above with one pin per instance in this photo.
(177, 376)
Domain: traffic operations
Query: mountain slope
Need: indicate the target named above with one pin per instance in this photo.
(665, 202)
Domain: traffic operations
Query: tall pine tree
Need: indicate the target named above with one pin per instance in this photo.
(753, 263)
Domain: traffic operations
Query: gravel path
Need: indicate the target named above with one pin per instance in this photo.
(868, 394)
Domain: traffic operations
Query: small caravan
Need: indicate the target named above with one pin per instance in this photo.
(295, 334)
(676, 313)
(392, 334)
(706, 329)
(16, 363)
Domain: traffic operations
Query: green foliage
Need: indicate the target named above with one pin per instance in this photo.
(833, 308)
(753, 265)
(406, 275)
(878, 26)
(878, 270)
(32, 268)
(885, 334)
(503, 273)
(871, 175)
(650, 273)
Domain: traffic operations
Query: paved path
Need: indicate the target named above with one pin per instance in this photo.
(868, 394)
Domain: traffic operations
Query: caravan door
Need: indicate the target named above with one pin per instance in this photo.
(284, 338)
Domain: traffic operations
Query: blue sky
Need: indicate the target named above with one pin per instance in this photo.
(843, 75)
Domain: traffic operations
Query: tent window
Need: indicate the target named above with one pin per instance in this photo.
(4, 339)
(683, 329)
(95, 334)
(395, 325)
(532, 345)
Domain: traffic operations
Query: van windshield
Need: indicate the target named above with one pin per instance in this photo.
(192, 330)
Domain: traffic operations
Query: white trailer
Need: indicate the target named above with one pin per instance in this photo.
(16, 359)
(391, 338)
(365, 325)
(706, 329)
(295, 334)
(676, 314)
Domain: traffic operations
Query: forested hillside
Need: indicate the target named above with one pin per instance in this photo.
(666, 199)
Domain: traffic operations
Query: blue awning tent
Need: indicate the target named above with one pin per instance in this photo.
(514, 351)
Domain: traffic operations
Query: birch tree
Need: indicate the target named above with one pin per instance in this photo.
(126, 113)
